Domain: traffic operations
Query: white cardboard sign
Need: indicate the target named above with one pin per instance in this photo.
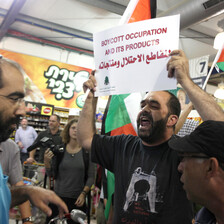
(133, 57)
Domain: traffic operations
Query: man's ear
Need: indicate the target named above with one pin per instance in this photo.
(172, 120)
(212, 167)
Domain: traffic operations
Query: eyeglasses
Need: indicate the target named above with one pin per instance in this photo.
(17, 100)
(182, 157)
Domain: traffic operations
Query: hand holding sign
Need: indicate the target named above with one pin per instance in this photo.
(89, 87)
(136, 53)
(178, 66)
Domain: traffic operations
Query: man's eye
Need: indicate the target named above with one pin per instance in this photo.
(154, 107)
(14, 99)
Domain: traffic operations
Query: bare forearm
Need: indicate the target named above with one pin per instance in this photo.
(206, 106)
(37, 196)
(32, 153)
(24, 208)
(86, 123)
(19, 195)
(86, 189)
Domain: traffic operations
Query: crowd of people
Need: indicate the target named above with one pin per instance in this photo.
(158, 175)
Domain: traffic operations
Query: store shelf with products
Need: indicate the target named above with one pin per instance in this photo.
(63, 113)
(38, 122)
(38, 115)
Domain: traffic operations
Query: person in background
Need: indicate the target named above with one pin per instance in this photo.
(202, 169)
(181, 95)
(24, 137)
(73, 171)
(53, 133)
(184, 125)
(147, 182)
(11, 108)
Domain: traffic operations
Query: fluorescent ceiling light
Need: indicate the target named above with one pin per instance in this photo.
(219, 40)
(219, 93)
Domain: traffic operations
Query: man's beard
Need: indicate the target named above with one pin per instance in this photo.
(156, 131)
(6, 127)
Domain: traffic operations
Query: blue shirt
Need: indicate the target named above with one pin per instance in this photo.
(5, 198)
(26, 136)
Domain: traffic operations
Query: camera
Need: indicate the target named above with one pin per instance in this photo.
(46, 142)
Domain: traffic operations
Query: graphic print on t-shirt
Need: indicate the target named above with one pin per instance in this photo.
(141, 193)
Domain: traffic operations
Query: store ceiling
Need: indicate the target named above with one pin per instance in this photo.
(71, 23)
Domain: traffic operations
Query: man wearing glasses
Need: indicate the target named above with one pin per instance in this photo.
(11, 108)
(202, 168)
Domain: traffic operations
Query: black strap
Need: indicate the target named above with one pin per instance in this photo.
(85, 155)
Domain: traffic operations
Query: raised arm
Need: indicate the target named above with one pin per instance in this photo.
(86, 124)
(205, 105)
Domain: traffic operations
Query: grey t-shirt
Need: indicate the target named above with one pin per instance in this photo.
(10, 161)
(70, 175)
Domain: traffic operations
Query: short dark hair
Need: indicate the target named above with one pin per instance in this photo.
(11, 62)
(57, 116)
(65, 133)
(173, 105)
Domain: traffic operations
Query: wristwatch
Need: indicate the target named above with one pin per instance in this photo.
(28, 219)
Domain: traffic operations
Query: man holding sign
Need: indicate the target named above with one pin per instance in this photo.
(147, 184)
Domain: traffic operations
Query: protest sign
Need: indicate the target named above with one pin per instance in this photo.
(133, 57)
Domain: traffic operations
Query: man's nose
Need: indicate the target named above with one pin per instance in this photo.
(145, 109)
(21, 110)
(180, 167)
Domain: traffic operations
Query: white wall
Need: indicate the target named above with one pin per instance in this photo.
(47, 52)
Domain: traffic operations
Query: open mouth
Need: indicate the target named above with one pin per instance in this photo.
(145, 122)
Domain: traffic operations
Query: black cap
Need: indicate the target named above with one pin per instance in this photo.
(207, 138)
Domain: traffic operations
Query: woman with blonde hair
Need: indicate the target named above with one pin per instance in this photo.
(72, 170)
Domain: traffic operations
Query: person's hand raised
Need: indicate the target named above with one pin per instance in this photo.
(178, 66)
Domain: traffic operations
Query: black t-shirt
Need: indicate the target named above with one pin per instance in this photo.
(147, 182)
(56, 139)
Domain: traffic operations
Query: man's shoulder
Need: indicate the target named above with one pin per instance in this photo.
(30, 128)
(19, 129)
(205, 216)
(9, 146)
(42, 133)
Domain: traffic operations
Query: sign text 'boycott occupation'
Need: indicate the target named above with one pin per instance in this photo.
(121, 38)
